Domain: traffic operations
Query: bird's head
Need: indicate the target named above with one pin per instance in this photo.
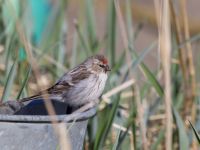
(98, 63)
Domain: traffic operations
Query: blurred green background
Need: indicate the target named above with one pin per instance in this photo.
(61, 34)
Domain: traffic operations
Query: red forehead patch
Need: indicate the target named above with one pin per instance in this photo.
(102, 59)
(105, 61)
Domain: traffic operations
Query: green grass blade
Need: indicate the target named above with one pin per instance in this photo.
(153, 80)
(159, 140)
(92, 129)
(119, 63)
(140, 58)
(9, 45)
(111, 31)
(61, 51)
(137, 61)
(74, 51)
(191, 40)
(134, 129)
(131, 122)
(24, 83)
(183, 139)
(123, 134)
(150, 76)
(104, 130)
(9, 82)
(129, 23)
(195, 132)
(82, 40)
(115, 145)
(91, 24)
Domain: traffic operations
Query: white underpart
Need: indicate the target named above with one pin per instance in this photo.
(87, 90)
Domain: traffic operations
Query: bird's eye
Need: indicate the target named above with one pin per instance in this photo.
(102, 66)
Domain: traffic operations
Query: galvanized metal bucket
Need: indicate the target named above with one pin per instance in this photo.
(35, 132)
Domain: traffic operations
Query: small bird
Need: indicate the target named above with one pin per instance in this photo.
(81, 85)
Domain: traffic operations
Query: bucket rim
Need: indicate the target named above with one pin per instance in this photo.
(74, 117)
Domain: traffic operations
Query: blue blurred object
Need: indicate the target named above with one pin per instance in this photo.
(22, 54)
(40, 13)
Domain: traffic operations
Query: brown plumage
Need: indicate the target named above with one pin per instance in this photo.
(81, 85)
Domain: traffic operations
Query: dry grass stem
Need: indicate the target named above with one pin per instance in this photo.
(85, 107)
(179, 39)
(192, 79)
(139, 15)
(155, 83)
(157, 117)
(140, 112)
(165, 45)
(189, 103)
(126, 95)
(128, 60)
(106, 97)
(117, 89)
(123, 33)
(60, 129)
(131, 142)
(117, 126)
(189, 47)
(51, 60)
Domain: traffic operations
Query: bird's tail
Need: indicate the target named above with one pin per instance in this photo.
(41, 95)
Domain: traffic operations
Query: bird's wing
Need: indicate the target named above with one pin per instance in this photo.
(67, 81)
(50, 93)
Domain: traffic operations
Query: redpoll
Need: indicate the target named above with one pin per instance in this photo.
(81, 85)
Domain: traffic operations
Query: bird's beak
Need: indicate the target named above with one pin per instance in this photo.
(107, 68)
